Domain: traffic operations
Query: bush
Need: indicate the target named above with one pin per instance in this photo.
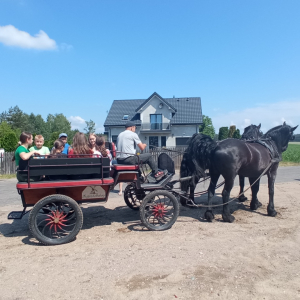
(223, 133)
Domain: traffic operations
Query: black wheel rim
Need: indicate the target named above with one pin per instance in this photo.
(134, 196)
(56, 220)
(159, 211)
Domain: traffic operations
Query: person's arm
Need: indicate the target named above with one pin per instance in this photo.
(142, 146)
(26, 156)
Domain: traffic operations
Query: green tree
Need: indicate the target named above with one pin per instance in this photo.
(90, 127)
(9, 141)
(207, 127)
(223, 133)
(17, 119)
(237, 134)
(232, 129)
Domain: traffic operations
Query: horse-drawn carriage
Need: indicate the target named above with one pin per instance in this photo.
(56, 217)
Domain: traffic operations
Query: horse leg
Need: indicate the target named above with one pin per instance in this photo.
(242, 198)
(271, 180)
(226, 215)
(209, 216)
(255, 204)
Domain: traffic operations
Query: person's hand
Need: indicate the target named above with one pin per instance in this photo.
(36, 153)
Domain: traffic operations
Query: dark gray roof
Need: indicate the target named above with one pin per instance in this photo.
(188, 111)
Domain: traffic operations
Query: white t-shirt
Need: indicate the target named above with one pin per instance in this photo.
(127, 141)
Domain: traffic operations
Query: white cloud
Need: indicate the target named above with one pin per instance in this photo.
(11, 36)
(269, 115)
(77, 123)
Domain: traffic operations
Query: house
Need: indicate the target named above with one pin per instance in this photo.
(161, 122)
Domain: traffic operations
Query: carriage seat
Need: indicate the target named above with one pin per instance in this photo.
(120, 167)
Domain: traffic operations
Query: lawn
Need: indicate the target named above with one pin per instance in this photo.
(292, 154)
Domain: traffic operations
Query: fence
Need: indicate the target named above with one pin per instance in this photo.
(7, 166)
(176, 153)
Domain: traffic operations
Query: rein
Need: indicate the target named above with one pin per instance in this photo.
(216, 205)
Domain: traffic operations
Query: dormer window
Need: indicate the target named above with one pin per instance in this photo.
(125, 117)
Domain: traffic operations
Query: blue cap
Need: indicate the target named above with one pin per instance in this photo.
(62, 134)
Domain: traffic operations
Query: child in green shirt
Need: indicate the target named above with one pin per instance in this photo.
(39, 142)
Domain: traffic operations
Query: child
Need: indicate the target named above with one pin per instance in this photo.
(100, 149)
(57, 152)
(22, 154)
(92, 141)
(39, 142)
(80, 146)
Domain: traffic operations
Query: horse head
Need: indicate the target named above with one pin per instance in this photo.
(252, 132)
(281, 135)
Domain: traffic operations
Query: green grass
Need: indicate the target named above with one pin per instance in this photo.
(8, 176)
(292, 154)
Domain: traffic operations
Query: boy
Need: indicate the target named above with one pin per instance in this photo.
(39, 142)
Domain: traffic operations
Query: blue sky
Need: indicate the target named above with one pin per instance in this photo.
(76, 57)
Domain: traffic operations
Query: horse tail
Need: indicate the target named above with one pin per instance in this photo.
(200, 152)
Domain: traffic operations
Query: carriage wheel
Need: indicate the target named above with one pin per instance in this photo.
(159, 210)
(133, 197)
(55, 220)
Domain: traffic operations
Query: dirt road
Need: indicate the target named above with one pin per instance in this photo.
(114, 257)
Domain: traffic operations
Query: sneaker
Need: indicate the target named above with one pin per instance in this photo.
(160, 174)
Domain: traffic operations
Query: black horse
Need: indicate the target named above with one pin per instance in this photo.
(233, 157)
(252, 132)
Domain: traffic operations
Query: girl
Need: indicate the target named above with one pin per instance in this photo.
(92, 141)
(80, 146)
(100, 148)
(22, 154)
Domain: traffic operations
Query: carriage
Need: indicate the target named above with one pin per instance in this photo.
(56, 217)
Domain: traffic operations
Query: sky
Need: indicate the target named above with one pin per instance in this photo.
(76, 57)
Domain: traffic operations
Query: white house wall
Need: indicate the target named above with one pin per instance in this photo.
(152, 107)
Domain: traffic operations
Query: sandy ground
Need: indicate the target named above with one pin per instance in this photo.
(114, 257)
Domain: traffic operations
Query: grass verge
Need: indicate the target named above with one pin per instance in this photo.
(8, 176)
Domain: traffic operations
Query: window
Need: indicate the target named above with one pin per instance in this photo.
(156, 121)
(125, 117)
(181, 141)
(114, 139)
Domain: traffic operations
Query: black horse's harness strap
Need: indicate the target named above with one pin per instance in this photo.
(271, 146)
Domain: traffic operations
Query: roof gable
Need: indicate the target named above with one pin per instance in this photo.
(160, 98)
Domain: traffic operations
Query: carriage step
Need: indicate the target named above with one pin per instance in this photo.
(17, 215)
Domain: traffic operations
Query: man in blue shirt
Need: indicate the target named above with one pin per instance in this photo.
(64, 138)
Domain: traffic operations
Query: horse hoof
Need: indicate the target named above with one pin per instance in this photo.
(209, 216)
(272, 213)
(242, 198)
(228, 218)
(256, 205)
(259, 204)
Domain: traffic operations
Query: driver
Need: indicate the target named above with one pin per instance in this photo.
(126, 144)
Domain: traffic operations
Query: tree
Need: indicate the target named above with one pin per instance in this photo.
(237, 134)
(223, 133)
(90, 127)
(17, 119)
(232, 129)
(207, 127)
(9, 141)
(8, 138)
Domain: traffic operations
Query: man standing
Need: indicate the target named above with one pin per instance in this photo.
(126, 144)
(64, 138)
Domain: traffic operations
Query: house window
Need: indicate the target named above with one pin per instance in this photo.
(181, 141)
(156, 122)
(153, 142)
(125, 117)
(163, 141)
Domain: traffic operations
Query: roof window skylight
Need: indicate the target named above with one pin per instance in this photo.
(125, 117)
